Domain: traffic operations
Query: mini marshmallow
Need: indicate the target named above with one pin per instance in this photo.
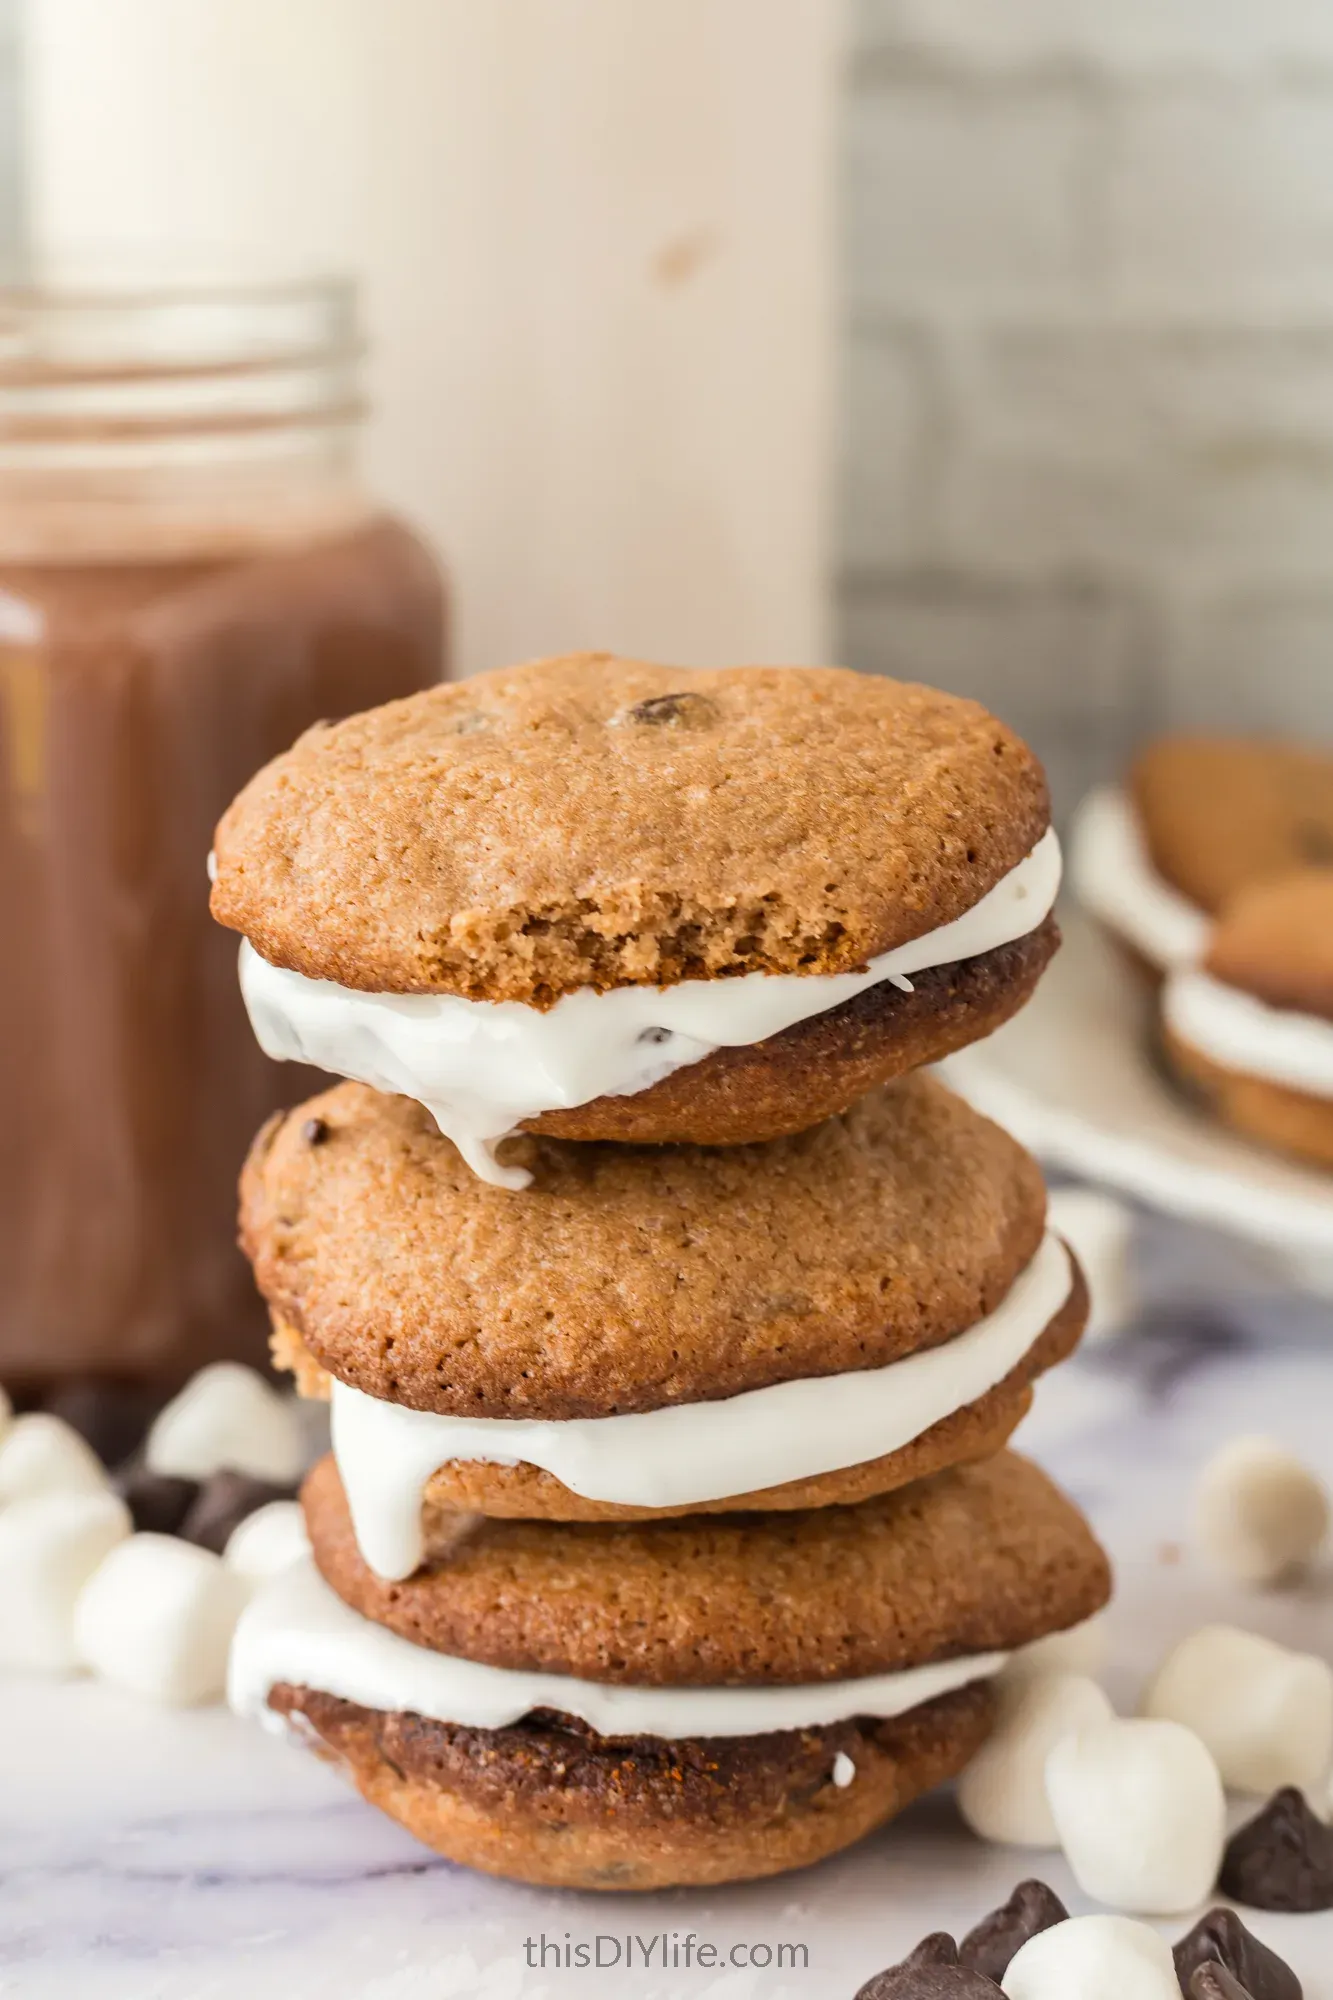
(1098, 1229)
(1140, 1812)
(1002, 1793)
(228, 1417)
(1093, 1958)
(1260, 1515)
(844, 1770)
(269, 1540)
(1082, 1649)
(157, 1619)
(1265, 1713)
(44, 1454)
(49, 1547)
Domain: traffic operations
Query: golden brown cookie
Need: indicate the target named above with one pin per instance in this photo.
(1273, 942)
(549, 1802)
(595, 822)
(982, 1559)
(631, 1278)
(1221, 813)
(527, 1492)
(1287, 1120)
(765, 1090)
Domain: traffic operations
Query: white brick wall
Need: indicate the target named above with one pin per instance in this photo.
(1087, 430)
(1111, 38)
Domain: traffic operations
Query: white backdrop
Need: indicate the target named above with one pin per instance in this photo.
(596, 244)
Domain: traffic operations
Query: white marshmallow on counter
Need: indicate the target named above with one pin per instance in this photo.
(1093, 1958)
(1264, 1712)
(1141, 1814)
(1002, 1793)
(267, 1541)
(1259, 1515)
(228, 1418)
(157, 1618)
(1081, 1649)
(49, 1547)
(1099, 1231)
(44, 1454)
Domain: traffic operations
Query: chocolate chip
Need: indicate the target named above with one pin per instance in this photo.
(1282, 1859)
(314, 1131)
(223, 1502)
(931, 1972)
(1212, 1981)
(158, 1501)
(673, 711)
(993, 1942)
(1221, 1939)
(112, 1416)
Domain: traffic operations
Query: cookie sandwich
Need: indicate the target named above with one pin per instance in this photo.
(614, 1705)
(1251, 1027)
(669, 1534)
(1199, 820)
(596, 899)
(654, 1330)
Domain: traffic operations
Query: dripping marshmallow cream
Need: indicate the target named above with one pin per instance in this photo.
(689, 1453)
(298, 1632)
(481, 1067)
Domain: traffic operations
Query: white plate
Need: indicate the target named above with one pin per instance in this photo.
(1073, 1077)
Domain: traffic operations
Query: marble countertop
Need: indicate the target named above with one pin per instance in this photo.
(158, 1856)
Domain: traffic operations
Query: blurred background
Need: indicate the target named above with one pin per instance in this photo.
(990, 344)
(987, 344)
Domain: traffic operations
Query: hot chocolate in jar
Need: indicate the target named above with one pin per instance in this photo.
(190, 575)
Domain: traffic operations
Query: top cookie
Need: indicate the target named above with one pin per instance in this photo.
(1220, 813)
(595, 822)
(1275, 940)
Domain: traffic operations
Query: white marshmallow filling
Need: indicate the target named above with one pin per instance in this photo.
(1240, 1032)
(1114, 878)
(297, 1631)
(482, 1067)
(690, 1453)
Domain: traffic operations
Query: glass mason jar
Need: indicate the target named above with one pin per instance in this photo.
(190, 575)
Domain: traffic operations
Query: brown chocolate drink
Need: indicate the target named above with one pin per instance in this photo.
(146, 670)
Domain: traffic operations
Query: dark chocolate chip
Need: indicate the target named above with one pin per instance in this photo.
(993, 1942)
(931, 1972)
(673, 711)
(1221, 1939)
(112, 1416)
(158, 1501)
(1212, 1981)
(224, 1501)
(1282, 1859)
(314, 1131)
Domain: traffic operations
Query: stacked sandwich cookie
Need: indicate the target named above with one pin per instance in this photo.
(674, 1328)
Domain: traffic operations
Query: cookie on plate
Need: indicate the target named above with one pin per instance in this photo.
(605, 900)
(627, 1707)
(655, 1329)
(1199, 820)
(1251, 1028)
